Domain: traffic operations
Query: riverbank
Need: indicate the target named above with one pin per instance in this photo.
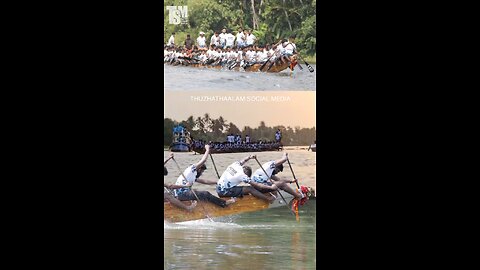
(311, 59)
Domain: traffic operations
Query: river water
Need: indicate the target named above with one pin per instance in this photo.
(268, 239)
(189, 78)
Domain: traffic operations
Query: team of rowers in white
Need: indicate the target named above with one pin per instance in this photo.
(228, 50)
(228, 185)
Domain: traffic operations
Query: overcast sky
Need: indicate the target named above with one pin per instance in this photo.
(244, 108)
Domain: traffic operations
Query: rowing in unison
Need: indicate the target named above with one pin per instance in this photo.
(238, 53)
(259, 191)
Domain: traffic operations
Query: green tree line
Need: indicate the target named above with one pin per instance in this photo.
(270, 20)
(211, 129)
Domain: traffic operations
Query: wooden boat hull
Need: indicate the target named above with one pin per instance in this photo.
(244, 204)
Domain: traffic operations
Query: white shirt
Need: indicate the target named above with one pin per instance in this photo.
(240, 55)
(233, 176)
(250, 55)
(222, 37)
(230, 39)
(171, 41)
(289, 48)
(259, 176)
(251, 39)
(240, 37)
(215, 40)
(261, 56)
(201, 42)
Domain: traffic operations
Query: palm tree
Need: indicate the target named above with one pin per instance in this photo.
(207, 123)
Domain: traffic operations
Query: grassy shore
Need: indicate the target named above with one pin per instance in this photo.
(311, 59)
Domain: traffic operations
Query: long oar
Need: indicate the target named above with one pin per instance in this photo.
(214, 166)
(271, 65)
(279, 192)
(262, 66)
(165, 163)
(296, 182)
(191, 189)
(293, 173)
(168, 191)
(310, 68)
(298, 64)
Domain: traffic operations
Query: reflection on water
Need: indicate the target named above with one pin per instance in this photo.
(268, 239)
(188, 78)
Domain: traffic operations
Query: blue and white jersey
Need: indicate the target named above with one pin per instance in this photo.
(232, 177)
(191, 175)
(259, 176)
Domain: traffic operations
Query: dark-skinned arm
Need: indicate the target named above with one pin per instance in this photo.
(204, 158)
(243, 161)
(207, 182)
(282, 160)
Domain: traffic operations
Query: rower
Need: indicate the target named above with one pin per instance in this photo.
(273, 168)
(215, 40)
(281, 51)
(222, 38)
(240, 38)
(234, 175)
(290, 48)
(251, 39)
(188, 43)
(201, 41)
(190, 176)
(169, 197)
(229, 39)
(171, 40)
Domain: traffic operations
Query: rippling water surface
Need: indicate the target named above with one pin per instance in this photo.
(189, 78)
(268, 239)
